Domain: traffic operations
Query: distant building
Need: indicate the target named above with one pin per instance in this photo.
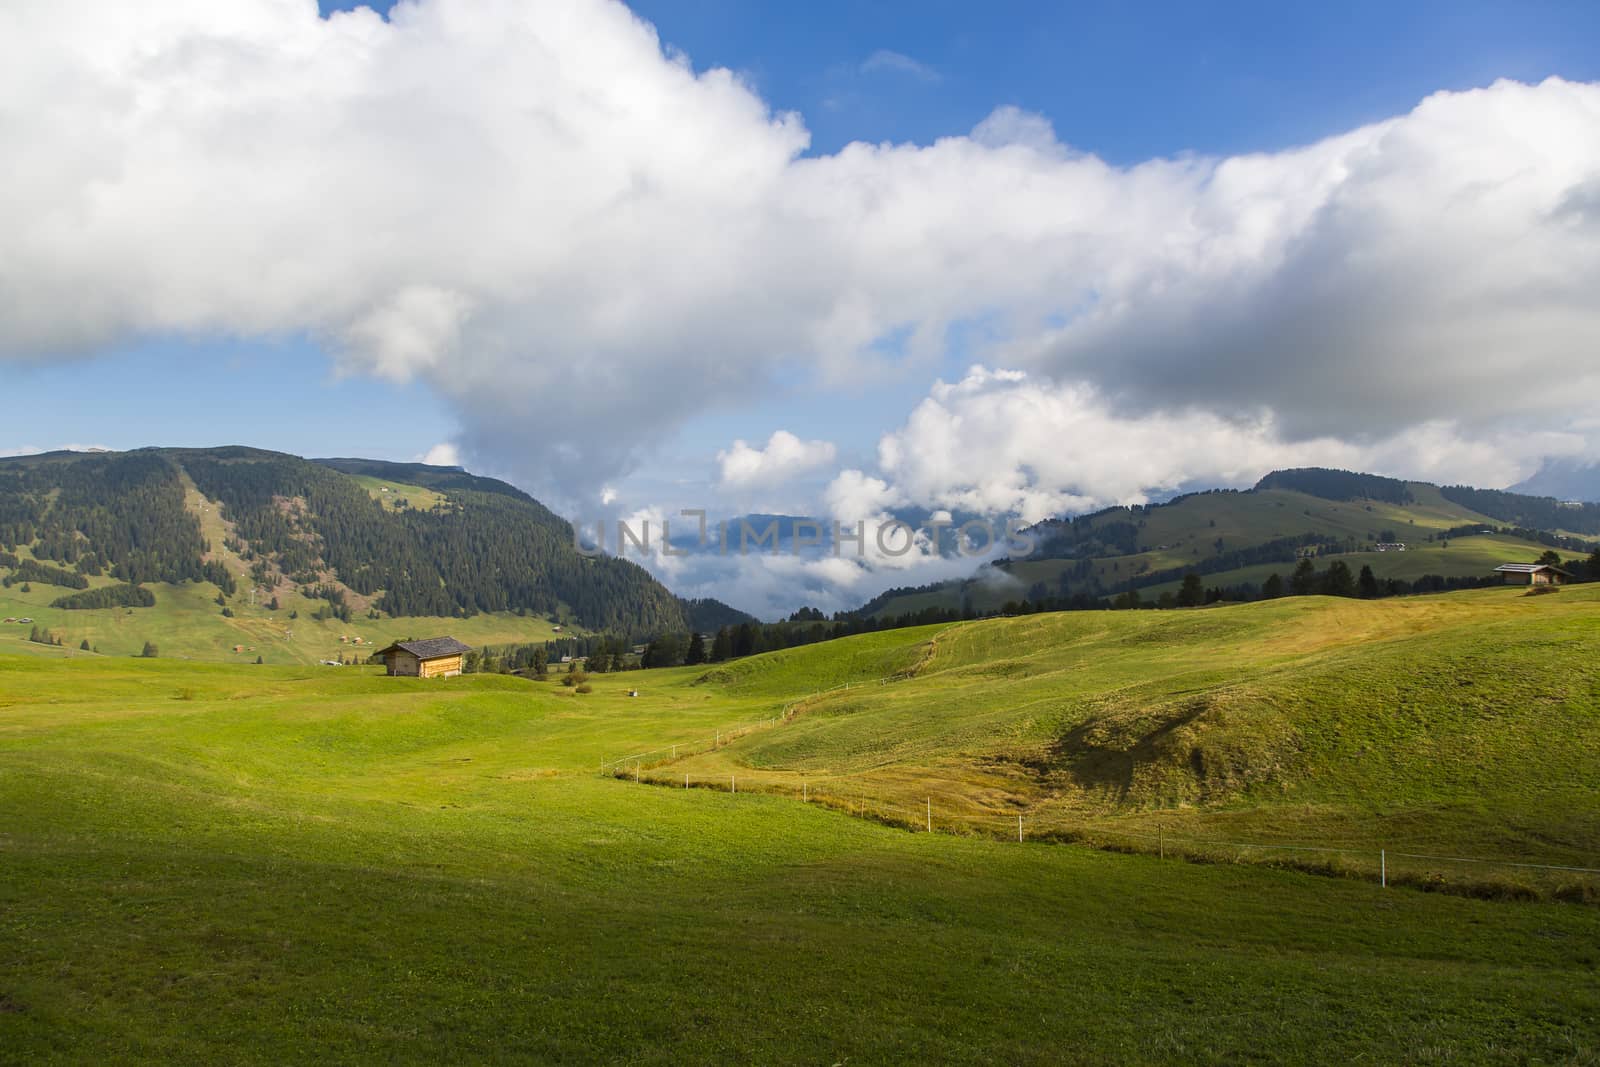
(1390, 546)
(437, 657)
(1531, 574)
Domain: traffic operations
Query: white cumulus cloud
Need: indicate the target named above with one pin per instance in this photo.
(1004, 442)
(443, 454)
(784, 457)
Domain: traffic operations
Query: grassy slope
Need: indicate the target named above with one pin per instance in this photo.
(1468, 722)
(294, 863)
(389, 493)
(1461, 557)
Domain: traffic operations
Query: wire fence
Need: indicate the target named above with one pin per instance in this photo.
(1488, 877)
(720, 736)
(1476, 876)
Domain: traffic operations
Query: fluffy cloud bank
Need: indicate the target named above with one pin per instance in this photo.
(1003, 442)
(581, 242)
(784, 457)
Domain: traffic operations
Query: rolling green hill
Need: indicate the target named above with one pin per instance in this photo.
(219, 862)
(343, 547)
(1467, 723)
(1236, 539)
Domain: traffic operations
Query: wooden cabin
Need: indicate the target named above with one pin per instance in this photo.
(1531, 574)
(436, 657)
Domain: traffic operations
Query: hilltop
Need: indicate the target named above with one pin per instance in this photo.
(1236, 539)
(228, 552)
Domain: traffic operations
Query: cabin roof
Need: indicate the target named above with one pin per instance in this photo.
(1528, 568)
(429, 648)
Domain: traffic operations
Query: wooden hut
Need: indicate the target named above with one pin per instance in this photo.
(436, 657)
(1531, 574)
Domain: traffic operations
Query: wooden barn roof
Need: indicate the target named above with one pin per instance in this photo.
(429, 648)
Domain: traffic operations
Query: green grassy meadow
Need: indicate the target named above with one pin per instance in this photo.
(216, 862)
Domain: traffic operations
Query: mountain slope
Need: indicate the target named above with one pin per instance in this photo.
(1235, 538)
(365, 537)
(1564, 479)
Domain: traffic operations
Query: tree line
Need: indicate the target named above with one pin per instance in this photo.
(107, 596)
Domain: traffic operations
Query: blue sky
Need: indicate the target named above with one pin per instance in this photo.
(1126, 81)
(1012, 259)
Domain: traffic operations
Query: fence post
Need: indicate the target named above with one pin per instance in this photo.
(1161, 843)
(805, 791)
(635, 774)
(686, 779)
(674, 751)
(1019, 829)
(1383, 868)
(930, 815)
(733, 784)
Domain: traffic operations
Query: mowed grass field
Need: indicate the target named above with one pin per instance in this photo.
(226, 863)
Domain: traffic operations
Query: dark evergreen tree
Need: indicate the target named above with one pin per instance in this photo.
(1367, 584)
(696, 654)
(1272, 588)
(1191, 593)
(1338, 581)
(1304, 580)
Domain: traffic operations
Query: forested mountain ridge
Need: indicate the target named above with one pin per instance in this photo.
(475, 545)
(1234, 541)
